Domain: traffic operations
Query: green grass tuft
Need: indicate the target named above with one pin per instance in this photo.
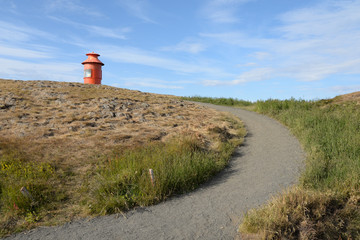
(179, 166)
(37, 178)
(220, 101)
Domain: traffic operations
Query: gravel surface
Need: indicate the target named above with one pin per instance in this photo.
(269, 161)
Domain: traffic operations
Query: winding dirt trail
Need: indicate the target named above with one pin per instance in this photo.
(269, 161)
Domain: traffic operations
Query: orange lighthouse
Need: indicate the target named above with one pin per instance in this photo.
(92, 69)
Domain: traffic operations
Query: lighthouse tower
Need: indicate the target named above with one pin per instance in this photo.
(92, 69)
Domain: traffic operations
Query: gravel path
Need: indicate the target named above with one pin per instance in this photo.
(269, 161)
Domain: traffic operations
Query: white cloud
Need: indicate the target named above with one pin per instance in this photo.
(326, 19)
(222, 11)
(345, 89)
(254, 75)
(21, 33)
(22, 52)
(56, 71)
(137, 8)
(107, 32)
(118, 33)
(71, 6)
(249, 64)
(315, 72)
(149, 82)
(260, 55)
(8, 6)
(311, 43)
(241, 39)
(137, 56)
(21, 41)
(186, 46)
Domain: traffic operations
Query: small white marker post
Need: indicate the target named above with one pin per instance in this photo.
(151, 173)
(26, 193)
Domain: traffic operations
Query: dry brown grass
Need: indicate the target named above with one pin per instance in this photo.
(344, 100)
(304, 214)
(351, 97)
(78, 120)
(73, 127)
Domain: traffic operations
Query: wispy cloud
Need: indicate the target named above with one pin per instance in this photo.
(137, 8)
(138, 56)
(149, 82)
(71, 6)
(118, 33)
(345, 89)
(23, 41)
(319, 70)
(328, 18)
(30, 57)
(222, 11)
(24, 70)
(254, 75)
(249, 64)
(310, 44)
(261, 55)
(241, 39)
(188, 45)
(109, 32)
(22, 52)
(8, 6)
(21, 33)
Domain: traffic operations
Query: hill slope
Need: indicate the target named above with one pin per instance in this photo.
(74, 116)
(268, 162)
(67, 143)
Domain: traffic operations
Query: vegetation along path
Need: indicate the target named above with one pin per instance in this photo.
(268, 162)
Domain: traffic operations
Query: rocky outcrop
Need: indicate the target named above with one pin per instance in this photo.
(99, 116)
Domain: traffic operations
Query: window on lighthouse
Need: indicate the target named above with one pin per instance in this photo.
(87, 73)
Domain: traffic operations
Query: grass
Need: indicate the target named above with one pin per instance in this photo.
(234, 102)
(82, 150)
(39, 179)
(179, 166)
(329, 134)
(115, 183)
(304, 214)
(326, 204)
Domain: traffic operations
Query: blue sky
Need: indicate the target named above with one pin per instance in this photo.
(246, 49)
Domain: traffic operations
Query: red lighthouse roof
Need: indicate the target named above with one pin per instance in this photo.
(92, 58)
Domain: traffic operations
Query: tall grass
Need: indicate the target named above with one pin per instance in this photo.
(178, 166)
(220, 101)
(326, 205)
(16, 172)
(119, 182)
(304, 214)
(55, 137)
(330, 135)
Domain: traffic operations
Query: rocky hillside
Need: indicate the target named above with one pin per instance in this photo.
(75, 121)
(58, 139)
(350, 97)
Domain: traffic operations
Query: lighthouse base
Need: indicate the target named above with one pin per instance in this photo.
(92, 81)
